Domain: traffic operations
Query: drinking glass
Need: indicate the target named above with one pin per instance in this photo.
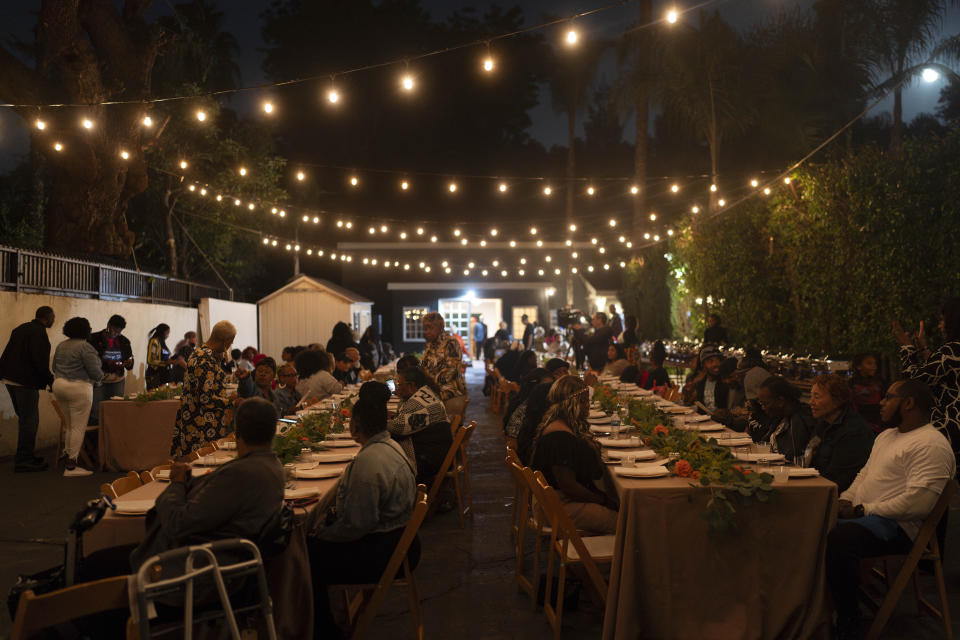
(629, 460)
(615, 430)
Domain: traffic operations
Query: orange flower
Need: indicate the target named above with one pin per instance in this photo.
(345, 413)
(660, 430)
(695, 475)
(683, 469)
(646, 440)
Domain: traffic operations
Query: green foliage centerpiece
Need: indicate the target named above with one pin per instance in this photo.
(704, 460)
(310, 432)
(606, 396)
(166, 392)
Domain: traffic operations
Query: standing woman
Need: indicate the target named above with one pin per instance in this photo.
(158, 357)
(204, 411)
(939, 370)
(76, 368)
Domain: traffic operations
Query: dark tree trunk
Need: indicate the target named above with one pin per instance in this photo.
(87, 52)
(896, 132)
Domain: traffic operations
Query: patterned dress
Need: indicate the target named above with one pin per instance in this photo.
(202, 404)
(940, 372)
(442, 360)
(421, 410)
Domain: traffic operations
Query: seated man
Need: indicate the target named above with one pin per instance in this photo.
(557, 368)
(375, 499)
(778, 417)
(344, 371)
(883, 509)
(421, 426)
(706, 387)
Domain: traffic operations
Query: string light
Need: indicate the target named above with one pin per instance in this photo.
(646, 236)
(464, 242)
(192, 187)
(722, 202)
(433, 238)
(316, 219)
(754, 183)
(452, 187)
(766, 191)
(354, 181)
(571, 39)
(670, 232)
(40, 124)
(493, 231)
(569, 242)
(675, 188)
(547, 258)
(539, 243)
(557, 271)
(488, 64)
(203, 192)
(87, 123)
(301, 175)
(404, 185)
(533, 231)
(695, 209)
(484, 273)
(503, 187)
(573, 227)
(406, 82)
(593, 241)
(653, 217)
(495, 263)
(573, 269)
(147, 121)
(274, 243)
(504, 273)
(574, 255)
(383, 228)
(201, 115)
(419, 231)
(547, 191)
(250, 206)
(523, 261)
(634, 189)
(602, 250)
(590, 191)
(713, 188)
(612, 222)
(483, 243)
(309, 252)
(242, 171)
(521, 272)
(126, 156)
(268, 107)
(403, 235)
(266, 241)
(672, 16)
(456, 232)
(183, 164)
(333, 96)
(513, 243)
(540, 272)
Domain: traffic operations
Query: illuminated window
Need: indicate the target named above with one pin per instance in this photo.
(412, 325)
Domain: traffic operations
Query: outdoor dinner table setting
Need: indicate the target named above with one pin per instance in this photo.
(673, 575)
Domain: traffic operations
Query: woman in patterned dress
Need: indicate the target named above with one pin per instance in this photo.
(204, 413)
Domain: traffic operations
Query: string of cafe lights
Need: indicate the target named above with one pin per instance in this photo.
(407, 81)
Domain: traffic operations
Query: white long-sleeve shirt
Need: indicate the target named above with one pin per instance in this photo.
(904, 476)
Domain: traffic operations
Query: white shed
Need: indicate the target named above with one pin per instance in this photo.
(304, 311)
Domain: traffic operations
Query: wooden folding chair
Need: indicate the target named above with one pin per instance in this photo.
(459, 439)
(35, 613)
(362, 608)
(206, 450)
(925, 547)
(672, 394)
(523, 519)
(569, 548)
(84, 455)
(122, 485)
(151, 475)
(461, 465)
(455, 423)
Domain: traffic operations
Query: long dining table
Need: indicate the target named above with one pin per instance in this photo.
(672, 578)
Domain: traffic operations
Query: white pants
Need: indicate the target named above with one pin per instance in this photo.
(75, 398)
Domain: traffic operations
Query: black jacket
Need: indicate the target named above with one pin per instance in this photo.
(595, 346)
(841, 449)
(112, 356)
(720, 395)
(26, 358)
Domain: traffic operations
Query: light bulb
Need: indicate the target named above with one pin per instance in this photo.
(316, 219)
(622, 264)
(124, 155)
(484, 273)
(713, 188)
(483, 243)
(504, 273)
(433, 238)
(147, 121)
(274, 243)
(340, 224)
(495, 263)
(533, 231)
(404, 185)
(602, 250)
(573, 227)
(573, 269)
(634, 189)
(333, 96)
(463, 242)
(593, 241)
(653, 216)
(656, 238)
(569, 242)
(283, 214)
(721, 202)
(675, 188)
(786, 180)
(268, 107)
(547, 191)
(572, 37)
(574, 255)
(183, 164)
(383, 228)
(452, 187)
(87, 123)
(203, 192)
(606, 267)
(266, 241)
(488, 64)
(288, 247)
(503, 187)
(192, 187)
(621, 239)
(456, 232)
(612, 222)
(670, 232)
(513, 243)
(766, 191)
(446, 269)
(220, 199)
(407, 82)
(444, 263)
(695, 209)
(236, 202)
(493, 231)
(466, 272)
(201, 115)
(471, 265)
(521, 272)
(251, 206)
(754, 183)
(354, 181)
(590, 191)
(309, 252)
(557, 271)
(296, 247)
(672, 16)
(539, 243)
(349, 225)
(371, 230)
(523, 261)
(301, 175)
(40, 124)
(540, 272)
(243, 171)
(419, 231)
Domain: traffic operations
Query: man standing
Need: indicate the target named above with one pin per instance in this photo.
(479, 337)
(595, 346)
(527, 331)
(25, 370)
(616, 323)
(715, 332)
(116, 357)
(882, 511)
(442, 360)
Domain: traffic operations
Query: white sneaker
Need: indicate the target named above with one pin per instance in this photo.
(77, 472)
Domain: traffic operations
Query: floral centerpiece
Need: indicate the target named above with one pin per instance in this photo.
(165, 392)
(606, 396)
(310, 432)
(703, 460)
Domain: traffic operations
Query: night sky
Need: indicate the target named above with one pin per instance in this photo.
(242, 19)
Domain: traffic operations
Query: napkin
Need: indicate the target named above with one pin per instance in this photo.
(300, 492)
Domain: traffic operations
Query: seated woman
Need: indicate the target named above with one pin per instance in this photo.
(657, 376)
(616, 360)
(570, 459)
(316, 381)
(286, 395)
(260, 384)
(537, 404)
(526, 363)
(517, 409)
(375, 499)
(421, 426)
(780, 418)
(842, 439)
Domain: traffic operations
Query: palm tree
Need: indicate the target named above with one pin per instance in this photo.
(904, 33)
(699, 84)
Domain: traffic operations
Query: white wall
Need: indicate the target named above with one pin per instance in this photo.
(299, 317)
(241, 314)
(140, 317)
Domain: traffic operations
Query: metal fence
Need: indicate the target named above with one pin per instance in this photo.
(36, 272)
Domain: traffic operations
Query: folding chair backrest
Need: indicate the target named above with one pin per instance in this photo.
(126, 484)
(454, 425)
(50, 609)
(152, 474)
(928, 530)
(458, 439)
(564, 531)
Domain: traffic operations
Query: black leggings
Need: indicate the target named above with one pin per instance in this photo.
(355, 562)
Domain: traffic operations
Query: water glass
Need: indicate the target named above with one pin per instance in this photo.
(615, 430)
(629, 460)
(290, 472)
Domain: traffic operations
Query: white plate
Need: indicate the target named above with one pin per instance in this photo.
(600, 428)
(639, 454)
(675, 409)
(212, 460)
(300, 492)
(603, 420)
(803, 472)
(632, 442)
(339, 443)
(704, 426)
(340, 436)
(735, 442)
(317, 473)
(696, 417)
(756, 457)
(594, 413)
(326, 457)
(643, 471)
